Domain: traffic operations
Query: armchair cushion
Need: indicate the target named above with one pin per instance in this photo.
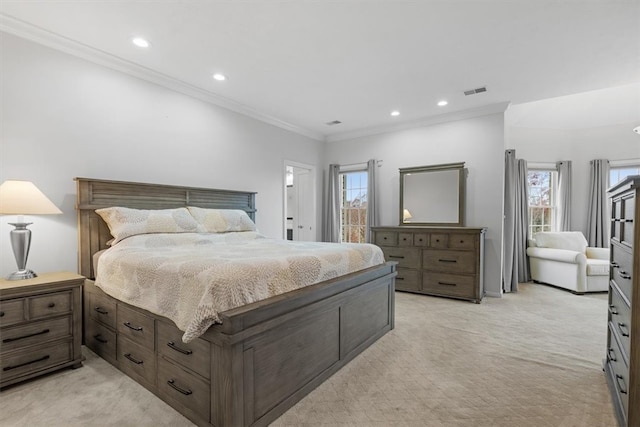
(597, 267)
(569, 240)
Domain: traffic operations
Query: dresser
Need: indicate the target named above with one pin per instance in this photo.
(442, 261)
(622, 363)
(40, 325)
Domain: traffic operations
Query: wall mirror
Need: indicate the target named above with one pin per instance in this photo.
(433, 195)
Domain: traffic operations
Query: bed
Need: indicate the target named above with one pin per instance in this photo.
(262, 357)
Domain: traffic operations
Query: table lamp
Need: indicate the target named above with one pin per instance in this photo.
(406, 215)
(23, 198)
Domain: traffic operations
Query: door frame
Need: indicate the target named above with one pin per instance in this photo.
(312, 172)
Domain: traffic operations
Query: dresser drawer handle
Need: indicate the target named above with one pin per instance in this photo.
(8, 368)
(1, 313)
(615, 265)
(51, 304)
(620, 380)
(628, 220)
(44, 331)
(613, 310)
(448, 260)
(173, 346)
(133, 359)
(396, 256)
(612, 355)
(625, 275)
(399, 278)
(101, 310)
(447, 284)
(622, 326)
(173, 385)
(135, 328)
(99, 338)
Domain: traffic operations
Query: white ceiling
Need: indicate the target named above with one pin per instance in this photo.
(299, 64)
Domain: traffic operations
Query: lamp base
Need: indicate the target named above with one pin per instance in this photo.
(22, 274)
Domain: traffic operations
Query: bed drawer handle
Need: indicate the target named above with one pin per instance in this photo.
(447, 260)
(42, 332)
(396, 256)
(135, 328)
(133, 359)
(8, 368)
(173, 385)
(613, 310)
(447, 284)
(101, 310)
(612, 355)
(173, 346)
(622, 326)
(99, 338)
(620, 380)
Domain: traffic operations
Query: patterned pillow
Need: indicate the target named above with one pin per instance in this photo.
(222, 220)
(125, 222)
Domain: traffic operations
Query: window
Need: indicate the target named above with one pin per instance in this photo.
(617, 174)
(353, 206)
(542, 200)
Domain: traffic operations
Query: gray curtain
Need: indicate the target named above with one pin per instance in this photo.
(563, 200)
(372, 206)
(516, 222)
(331, 229)
(597, 215)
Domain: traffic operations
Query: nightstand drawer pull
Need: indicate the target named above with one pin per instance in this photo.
(448, 260)
(447, 284)
(620, 380)
(101, 310)
(44, 331)
(186, 392)
(8, 368)
(133, 359)
(624, 330)
(173, 346)
(135, 328)
(99, 338)
(612, 355)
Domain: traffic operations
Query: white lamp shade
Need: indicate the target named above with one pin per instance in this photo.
(406, 214)
(24, 198)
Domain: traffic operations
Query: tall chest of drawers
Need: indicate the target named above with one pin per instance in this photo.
(40, 325)
(622, 363)
(442, 261)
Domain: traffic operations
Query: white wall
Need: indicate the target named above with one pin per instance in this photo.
(478, 141)
(64, 117)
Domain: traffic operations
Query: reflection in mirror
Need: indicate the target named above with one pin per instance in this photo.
(432, 195)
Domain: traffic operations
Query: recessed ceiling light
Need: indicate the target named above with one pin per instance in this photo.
(442, 103)
(219, 77)
(140, 42)
(395, 113)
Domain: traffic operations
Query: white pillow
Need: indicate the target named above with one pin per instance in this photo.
(222, 220)
(125, 222)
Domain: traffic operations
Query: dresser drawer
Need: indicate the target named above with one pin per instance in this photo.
(136, 326)
(136, 361)
(178, 386)
(32, 360)
(620, 319)
(102, 309)
(194, 355)
(12, 311)
(439, 241)
(101, 339)
(386, 238)
(449, 284)
(406, 257)
(421, 239)
(405, 239)
(408, 280)
(49, 304)
(35, 332)
(462, 241)
(449, 261)
(619, 371)
(621, 269)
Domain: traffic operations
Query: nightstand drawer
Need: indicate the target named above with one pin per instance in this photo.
(136, 361)
(35, 332)
(195, 355)
(49, 304)
(11, 311)
(136, 326)
(101, 340)
(449, 261)
(177, 385)
(102, 309)
(34, 360)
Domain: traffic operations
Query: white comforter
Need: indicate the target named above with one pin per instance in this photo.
(192, 277)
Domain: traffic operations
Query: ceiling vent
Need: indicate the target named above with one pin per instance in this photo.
(474, 91)
(333, 123)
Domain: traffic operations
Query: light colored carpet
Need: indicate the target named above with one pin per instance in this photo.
(529, 359)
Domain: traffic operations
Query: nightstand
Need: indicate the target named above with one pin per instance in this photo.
(40, 325)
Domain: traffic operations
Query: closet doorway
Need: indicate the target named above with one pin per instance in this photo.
(299, 202)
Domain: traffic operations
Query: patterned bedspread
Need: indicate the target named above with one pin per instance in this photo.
(192, 277)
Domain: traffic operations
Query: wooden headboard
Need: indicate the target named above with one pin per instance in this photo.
(93, 194)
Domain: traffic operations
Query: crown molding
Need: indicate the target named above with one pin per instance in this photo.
(486, 110)
(25, 30)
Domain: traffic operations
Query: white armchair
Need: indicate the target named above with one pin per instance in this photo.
(563, 259)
